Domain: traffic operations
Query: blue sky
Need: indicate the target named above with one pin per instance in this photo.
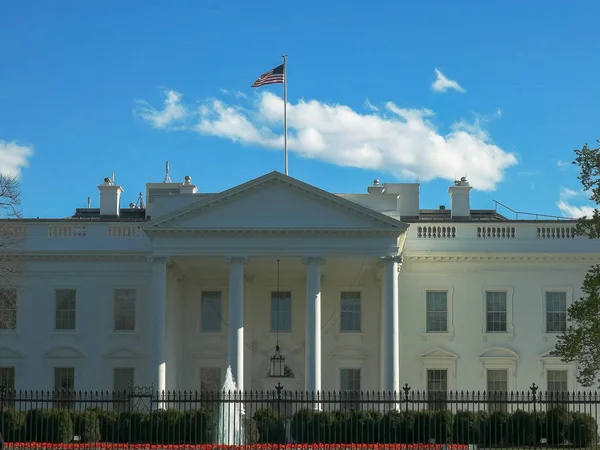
(84, 85)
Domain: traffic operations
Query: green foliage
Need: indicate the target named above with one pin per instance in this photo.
(581, 341)
(270, 427)
(497, 429)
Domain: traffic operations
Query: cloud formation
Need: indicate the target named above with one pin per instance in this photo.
(566, 196)
(13, 157)
(400, 141)
(442, 84)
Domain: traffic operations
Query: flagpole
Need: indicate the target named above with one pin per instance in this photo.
(285, 150)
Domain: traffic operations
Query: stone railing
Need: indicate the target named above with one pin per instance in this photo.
(494, 231)
(76, 230)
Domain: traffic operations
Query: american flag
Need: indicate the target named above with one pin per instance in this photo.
(273, 76)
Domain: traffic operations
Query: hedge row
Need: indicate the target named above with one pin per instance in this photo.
(558, 426)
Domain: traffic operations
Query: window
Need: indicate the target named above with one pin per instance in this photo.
(556, 312)
(8, 309)
(350, 312)
(64, 316)
(496, 312)
(281, 311)
(64, 384)
(210, 315)
(210, 379)
(7, 379)
(125, 309)
(437, 311)
(123, 378)
(437, 388)
(497, 386)
(350, 387)
(557, 384)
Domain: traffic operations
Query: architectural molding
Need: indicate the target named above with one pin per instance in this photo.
(9, 353)
(157, 259)
(122, 352)
(273, 178)
(530, 257)
(391, 259)
(90, 256)
(320, 260)
(64, 352)
(243, 260)
(350, 352)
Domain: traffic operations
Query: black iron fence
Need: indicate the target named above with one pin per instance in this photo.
(140, 417)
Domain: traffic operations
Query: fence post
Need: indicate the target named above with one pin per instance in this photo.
(406, 389)
(534, 388)
(279, 388)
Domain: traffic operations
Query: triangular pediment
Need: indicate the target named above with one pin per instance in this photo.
(123, 352)
(439, 353)
(275, 202)
(500, 353)
(207, 351)
(63, 352)
(349, 352)
(8, 353)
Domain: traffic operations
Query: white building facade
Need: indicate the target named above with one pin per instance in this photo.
(359, 291)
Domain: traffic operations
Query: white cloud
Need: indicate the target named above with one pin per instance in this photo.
(442, 84)
(172, 111)
(236, 94)
(13, 157)
(400, 141)
(566, 196)
(563, 164)
(370, 105)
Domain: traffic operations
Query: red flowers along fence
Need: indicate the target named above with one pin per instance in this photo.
(108, 446)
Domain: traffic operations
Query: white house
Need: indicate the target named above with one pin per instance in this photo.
(359, 291)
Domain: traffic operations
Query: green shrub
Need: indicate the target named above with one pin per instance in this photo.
(250, 430)
(270, 427)
(12, 424)
(582, 430)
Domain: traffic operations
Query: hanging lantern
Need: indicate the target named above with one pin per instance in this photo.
(277, 364)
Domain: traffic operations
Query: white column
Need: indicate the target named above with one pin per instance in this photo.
(382, 336)
(312, 350)
(235, 355)
(159, 321)
(391, 349)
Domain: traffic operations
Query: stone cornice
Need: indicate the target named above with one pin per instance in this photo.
(505, 257)
(287, 231)
(88, 256)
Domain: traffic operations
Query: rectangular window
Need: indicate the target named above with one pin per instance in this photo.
(65, 309)
(556, 312)
(350, 312)
(350, 387)
(125, 309)
(437, 388)
(210, 315)
(437, 311)
(497, 386)
(7, 378)
(558, 385)
(281, 311)
(123, 378)
(64, 385)
(8, 309)
(495, 311)
(210, 379)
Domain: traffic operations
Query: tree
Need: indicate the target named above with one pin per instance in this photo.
(12, 233)
(581, 341)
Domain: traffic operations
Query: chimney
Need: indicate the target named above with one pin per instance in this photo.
(460, 202)
(376, 188)
(408, 198)
(187, 187)
(110, 198)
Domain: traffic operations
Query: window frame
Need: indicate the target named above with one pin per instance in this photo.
(510, 330)
(273, 292)
(568, 291)
(440, 359)
(360, 312)
(201, 318)
(449, 314)
(55, 310)
(135, 309)
(17, 291)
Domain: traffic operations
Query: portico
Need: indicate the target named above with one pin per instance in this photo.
(230, 243)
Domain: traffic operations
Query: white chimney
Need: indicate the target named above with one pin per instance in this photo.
(408, 198)
(187, 187)
(460, 198)
(376, 188)
(110, 198)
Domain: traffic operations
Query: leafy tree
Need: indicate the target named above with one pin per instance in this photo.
(581, 341)
(11, 235)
